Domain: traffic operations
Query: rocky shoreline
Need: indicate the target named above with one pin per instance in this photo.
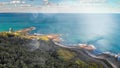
(79, 55)
(110, 59)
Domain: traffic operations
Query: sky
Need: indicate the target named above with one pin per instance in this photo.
(110, 2)
(88, 4)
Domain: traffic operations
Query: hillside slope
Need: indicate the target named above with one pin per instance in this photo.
(21, 52)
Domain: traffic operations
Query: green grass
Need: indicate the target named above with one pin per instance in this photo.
(65, 54)
(44, 38)
(19, 35)
(88, 64)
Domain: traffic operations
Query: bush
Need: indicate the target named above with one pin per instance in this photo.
(65, 54)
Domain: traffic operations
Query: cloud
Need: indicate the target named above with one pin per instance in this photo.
(93, 1)
(72, 6)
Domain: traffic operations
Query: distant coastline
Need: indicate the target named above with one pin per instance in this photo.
(57, 9)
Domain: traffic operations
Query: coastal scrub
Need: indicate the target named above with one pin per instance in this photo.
(65, 54)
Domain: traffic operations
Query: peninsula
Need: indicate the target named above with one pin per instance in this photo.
(19, 49)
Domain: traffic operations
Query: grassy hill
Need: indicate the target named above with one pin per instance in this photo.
(17, 51)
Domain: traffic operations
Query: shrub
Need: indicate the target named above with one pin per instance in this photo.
(65, 54)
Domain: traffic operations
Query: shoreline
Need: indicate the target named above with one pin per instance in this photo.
(58, 9)
(85, 49)
(100, 56)
(56, 38)
(89, 53)
(91, 50)
(52, 48)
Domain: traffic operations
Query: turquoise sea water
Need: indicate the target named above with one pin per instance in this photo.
(102, 30)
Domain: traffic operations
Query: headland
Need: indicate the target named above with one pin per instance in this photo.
(48, 45)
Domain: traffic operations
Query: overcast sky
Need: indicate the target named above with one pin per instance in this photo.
(112, 2)
(109, 3)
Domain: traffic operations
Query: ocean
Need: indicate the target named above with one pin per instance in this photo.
(101, 30)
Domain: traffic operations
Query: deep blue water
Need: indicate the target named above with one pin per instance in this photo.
(102, 30)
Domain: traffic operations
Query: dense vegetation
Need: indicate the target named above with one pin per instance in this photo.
(19, 52)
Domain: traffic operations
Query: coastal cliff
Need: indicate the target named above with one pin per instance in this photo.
(18, 51)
